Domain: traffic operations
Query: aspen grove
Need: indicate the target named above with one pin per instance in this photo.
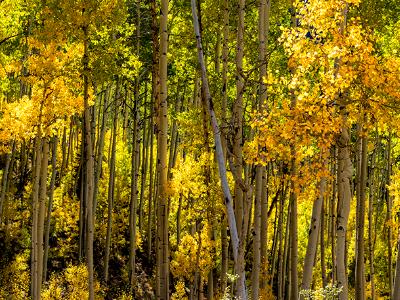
(200, 149)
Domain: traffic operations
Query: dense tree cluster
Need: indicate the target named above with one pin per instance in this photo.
(173, 149)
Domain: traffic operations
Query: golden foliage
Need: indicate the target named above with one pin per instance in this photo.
(195, 254)
(72, 285)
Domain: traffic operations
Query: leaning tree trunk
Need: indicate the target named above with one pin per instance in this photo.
(218, 145)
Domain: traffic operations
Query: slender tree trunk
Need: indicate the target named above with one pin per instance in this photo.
(344, 178)
(64, 152)
(389, 213)
(89, 167)
(333, 212)
(41, 214)
(293, 276)
(69, 145)
(154, 111)
(4, 183)
(37, 160)
(371, 221)
(274, 246)
(322, 245)
(82, 201)
(293, 240)
(50, 205)
(100, 144)
(265, 19)
(255, 278)
(264, 232)
(281, 271)
(360, 220)
(218, 144)
(313, 232)
(134, 190)
(162, 163)
(396, 286)
(145, 162)
(110, 195)
(286, 287)
(151, 189)
(258, 251)
(237, 121)
(225, 52)
(345, 171)
(224, 255)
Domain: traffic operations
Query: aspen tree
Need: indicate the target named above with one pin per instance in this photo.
(293, 231)
(359, 274)
(396, 284)
(218, 146)
(371, 197)
(259, 252)
(111, 187)
(54, 143)
(134, 194)
(313, 232)
(155, 93)
(41, 214)
(162, 166)
(240, 197)
(225, 50)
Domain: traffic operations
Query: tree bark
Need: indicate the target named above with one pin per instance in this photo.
(360, 221)
(37, 160)
(41, 213)
(396, 286)
(322, 245)
(100, 145)
(154, 111)
(371, 198)
(389, 213)
(110, 194)
(345, 171)
(4, 182)
(89, 167)
(237, 135)
(50, 205)
(218, 144)
(313, 232)
(162, 162)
